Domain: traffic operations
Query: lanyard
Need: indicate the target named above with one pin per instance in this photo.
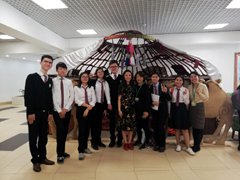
(137, 92)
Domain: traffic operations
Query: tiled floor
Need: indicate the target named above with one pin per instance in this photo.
(213, 162)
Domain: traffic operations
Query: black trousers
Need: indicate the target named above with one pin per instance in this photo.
(113, 121)
(239, 129)
(96, 126)
(62, 125)
(197, 137)
(83, 128)
(159, 128)
(142, 124)
(37, 133)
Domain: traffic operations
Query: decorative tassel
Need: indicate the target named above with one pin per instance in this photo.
(196, 63)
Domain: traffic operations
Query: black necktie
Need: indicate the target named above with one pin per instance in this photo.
(62, 93)
(177, 97)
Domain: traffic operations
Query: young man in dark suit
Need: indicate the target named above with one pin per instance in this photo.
(39, 104)
(159, 111)
(114, 80)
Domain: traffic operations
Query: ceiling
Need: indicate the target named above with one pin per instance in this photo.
(148, 16)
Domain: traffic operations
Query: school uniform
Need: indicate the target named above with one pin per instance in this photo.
(114, 83)
(160, 116)
(142, 104)
(84, 95)
(197, 112)
(38, 101)
(179, 108)
(102, 92)
(63, 96)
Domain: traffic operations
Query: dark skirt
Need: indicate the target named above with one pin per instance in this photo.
(197, 116)
(179, 116)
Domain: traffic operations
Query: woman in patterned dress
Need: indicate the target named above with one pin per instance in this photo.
(126, 109)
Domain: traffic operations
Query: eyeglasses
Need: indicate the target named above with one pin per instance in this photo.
(84, 76)
(113, 66)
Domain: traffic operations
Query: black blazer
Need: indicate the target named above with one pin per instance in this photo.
(163, 99)
(37, 94)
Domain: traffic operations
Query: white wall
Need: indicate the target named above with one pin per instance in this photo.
(12, 76)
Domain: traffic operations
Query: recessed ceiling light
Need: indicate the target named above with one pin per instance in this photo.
(216, 26)
(23, 58)
(6, 37)
(6, 55)
(50, 4)
(234, 4)
(86, 31)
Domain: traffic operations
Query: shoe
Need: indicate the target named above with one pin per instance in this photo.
(190, 151)
(47, 162)
(81, 156)
(119, 144)
(125, 146)
(130, 146)
(101, 144)
(195, 149)
(87, 151)
(137, 143)
(178, 148)
(239, 147)
(60, 160)
(66, 155)
(142, 146)
(37, 167)
(95, 147)
(156, 148)
(162, 149)
(111, 144)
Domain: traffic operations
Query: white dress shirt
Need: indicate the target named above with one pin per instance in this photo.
(106, 89)
(183, 98)
(68, 94)
(80, 95)
(42, 75)
(113, 77)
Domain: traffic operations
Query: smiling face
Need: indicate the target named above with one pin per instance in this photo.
(155, 78)
(139, 79)
(46, 64)
(100, 73)
(127, 77)
(84, 78)
(194, 78)
(114, 68)
(178, 82)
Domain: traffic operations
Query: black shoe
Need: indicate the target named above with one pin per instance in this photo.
(239, 147)
(137, 143)
(60, 160)
(95, 147)
(101, 144)
(66, 155)
(119, 144)
(195, 149)
(162, 149)
(47, 162)
(142, 146)
(37, 167)
(155, 148)
(111, 144)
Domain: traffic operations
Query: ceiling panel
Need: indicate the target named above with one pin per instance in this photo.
(148, 16)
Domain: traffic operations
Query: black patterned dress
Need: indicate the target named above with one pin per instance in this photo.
(128, 121)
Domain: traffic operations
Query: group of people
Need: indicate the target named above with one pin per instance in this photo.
(129, 100)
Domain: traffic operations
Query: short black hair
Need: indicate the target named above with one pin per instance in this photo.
(62, 65)
(194, 72)
(155, 73)
(46, 56)
(141, 74)
(113, 62)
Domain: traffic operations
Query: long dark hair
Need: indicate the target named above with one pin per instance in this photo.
(123, 79)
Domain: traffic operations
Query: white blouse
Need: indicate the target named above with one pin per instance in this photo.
(80, 95)
(106, 91)
(183, 97)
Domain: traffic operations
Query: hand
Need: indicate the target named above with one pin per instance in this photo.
(89, 107)
(31, 118)
(85, 113)
(155, 103)
(185, 92)
(164, 88)
(63, 113)
(145, 115)
(120, 113)
(50, 117)
(109, 107)
(198, 91)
